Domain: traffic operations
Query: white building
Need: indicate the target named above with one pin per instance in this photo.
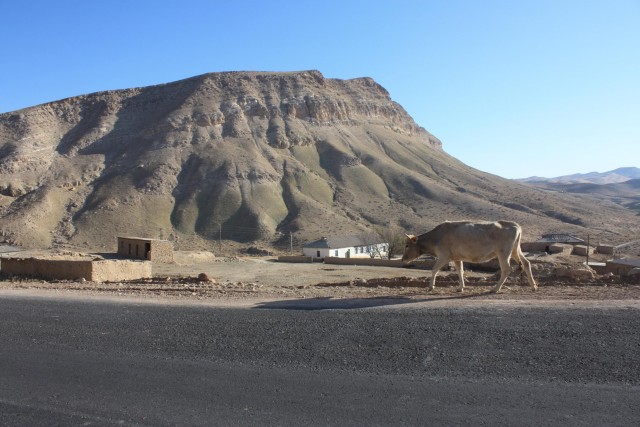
(345, 247)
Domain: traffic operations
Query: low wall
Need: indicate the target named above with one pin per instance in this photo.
(75, 269)
(425, 264)
(295, 258)
(620, 269)
(118, 270)
(535, 246)
(552, 248)
(364, 261)
(605, 249)
(47, 268)
(599, 267)
(582, 250)
(561, 248)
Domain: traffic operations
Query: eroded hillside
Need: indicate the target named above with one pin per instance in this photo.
(256, 156)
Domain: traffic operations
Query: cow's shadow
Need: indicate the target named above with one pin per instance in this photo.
(328, 303)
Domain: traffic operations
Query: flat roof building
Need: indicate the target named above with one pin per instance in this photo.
(148, 249)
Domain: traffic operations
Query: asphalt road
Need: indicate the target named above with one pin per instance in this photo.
(90, 362)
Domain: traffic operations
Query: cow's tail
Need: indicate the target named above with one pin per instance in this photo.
(525, 265)
(516, 251)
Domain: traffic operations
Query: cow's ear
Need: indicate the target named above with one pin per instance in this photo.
(411, 238)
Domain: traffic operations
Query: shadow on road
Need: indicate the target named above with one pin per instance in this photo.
(328, 303)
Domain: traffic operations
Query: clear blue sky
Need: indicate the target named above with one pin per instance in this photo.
(514, 87)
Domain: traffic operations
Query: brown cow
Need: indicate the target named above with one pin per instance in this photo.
(460, 241)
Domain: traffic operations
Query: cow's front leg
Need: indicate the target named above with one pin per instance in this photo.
(460, 270)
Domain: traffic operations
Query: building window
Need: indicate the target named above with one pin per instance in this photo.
(336, 252)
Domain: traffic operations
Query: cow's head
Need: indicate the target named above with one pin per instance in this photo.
(411, 249)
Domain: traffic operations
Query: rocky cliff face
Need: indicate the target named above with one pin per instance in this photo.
(252, 155)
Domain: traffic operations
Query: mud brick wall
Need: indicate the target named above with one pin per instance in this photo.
(118, 270)
(47, 268)
(63, 269)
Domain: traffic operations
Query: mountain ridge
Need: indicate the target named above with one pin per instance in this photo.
(613, 176)
(249, 157)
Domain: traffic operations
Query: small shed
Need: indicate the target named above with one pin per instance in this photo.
(149, 249)
(622, 266)
(345, 247)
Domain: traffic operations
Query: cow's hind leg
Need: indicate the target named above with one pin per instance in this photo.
(525, 265)
(460, 270)
(505, 270)
(440, 262)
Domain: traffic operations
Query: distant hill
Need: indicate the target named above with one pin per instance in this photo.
(253, 158)
(610, 177)
(625, 194)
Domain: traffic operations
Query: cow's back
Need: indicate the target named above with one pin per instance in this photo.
(476, 241)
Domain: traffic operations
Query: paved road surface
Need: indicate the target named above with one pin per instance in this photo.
(92, 362)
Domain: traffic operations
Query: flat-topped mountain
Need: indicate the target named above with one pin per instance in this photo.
(251, 157)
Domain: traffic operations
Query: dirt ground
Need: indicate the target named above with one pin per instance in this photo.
(199, 276)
